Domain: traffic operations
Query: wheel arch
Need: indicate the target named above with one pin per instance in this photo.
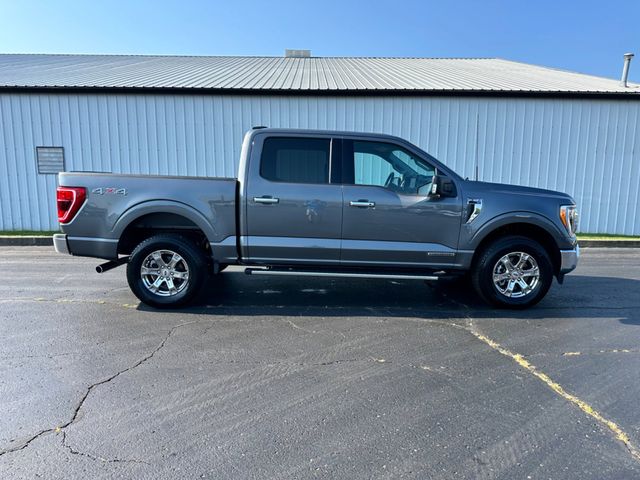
(537, 231)
(143, 221)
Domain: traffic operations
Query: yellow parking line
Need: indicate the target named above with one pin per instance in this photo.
(556, 387)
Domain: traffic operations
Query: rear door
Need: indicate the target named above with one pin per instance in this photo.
(388, 217)
(293, 209)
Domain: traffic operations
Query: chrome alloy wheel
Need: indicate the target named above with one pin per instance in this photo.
(164, 273)
(516, 275)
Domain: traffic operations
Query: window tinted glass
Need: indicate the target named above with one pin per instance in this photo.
(370, 169)
(295, 160)
(387, 165)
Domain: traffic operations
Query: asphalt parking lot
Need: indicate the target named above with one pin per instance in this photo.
(305, 378)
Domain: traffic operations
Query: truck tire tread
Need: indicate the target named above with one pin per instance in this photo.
(482, 271)
(191, 253)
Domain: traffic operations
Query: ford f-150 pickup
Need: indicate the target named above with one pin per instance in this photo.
(324, 204)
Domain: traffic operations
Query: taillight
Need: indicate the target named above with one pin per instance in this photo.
(69, 200)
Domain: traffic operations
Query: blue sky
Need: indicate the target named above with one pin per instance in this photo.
(585, 36)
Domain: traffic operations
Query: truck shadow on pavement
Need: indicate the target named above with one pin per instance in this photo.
(579, 297)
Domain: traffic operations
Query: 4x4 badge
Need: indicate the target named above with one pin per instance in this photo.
(109, 191)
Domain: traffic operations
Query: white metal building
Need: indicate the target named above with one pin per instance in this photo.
(518, 123)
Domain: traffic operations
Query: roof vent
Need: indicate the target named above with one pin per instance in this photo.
(625, 69)
(288, 53)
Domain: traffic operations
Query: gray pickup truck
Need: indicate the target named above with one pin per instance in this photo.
(320, 203)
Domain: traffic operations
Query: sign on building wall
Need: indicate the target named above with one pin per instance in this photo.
(50, 159)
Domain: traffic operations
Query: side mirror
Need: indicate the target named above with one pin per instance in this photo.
(447, 187)
(442, 187)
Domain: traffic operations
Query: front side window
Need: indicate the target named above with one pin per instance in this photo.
(296, 160)
(390, 166)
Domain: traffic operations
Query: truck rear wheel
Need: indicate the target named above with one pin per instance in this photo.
(513, 272)
(166, 271)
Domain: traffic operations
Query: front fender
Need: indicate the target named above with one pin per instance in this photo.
(521, 217)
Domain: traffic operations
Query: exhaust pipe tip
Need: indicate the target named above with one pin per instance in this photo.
(111, 264)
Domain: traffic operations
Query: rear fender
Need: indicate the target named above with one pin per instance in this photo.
(163, 206)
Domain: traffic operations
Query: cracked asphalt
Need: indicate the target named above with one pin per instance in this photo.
(315, 378)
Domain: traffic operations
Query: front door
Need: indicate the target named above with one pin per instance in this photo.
(388, 217)
(294, 211)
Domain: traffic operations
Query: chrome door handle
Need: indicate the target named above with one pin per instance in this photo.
(268, 200)
(362, 203)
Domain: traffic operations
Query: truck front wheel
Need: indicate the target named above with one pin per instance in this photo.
(513, 272)
(166, 271)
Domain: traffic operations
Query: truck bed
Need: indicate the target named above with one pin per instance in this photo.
(115, 200)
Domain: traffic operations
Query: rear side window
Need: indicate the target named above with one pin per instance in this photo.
(296, 160)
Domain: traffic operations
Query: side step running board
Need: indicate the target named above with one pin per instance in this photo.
(266, 271)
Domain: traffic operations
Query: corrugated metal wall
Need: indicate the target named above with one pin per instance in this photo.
(588, 148)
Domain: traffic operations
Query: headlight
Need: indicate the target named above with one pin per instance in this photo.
(569, 218)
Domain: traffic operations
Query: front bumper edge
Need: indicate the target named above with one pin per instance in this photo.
(569, 259)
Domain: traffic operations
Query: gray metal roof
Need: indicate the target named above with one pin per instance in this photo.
(314, 74)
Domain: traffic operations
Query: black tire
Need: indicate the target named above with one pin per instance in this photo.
(192, 262)
(499, 258)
